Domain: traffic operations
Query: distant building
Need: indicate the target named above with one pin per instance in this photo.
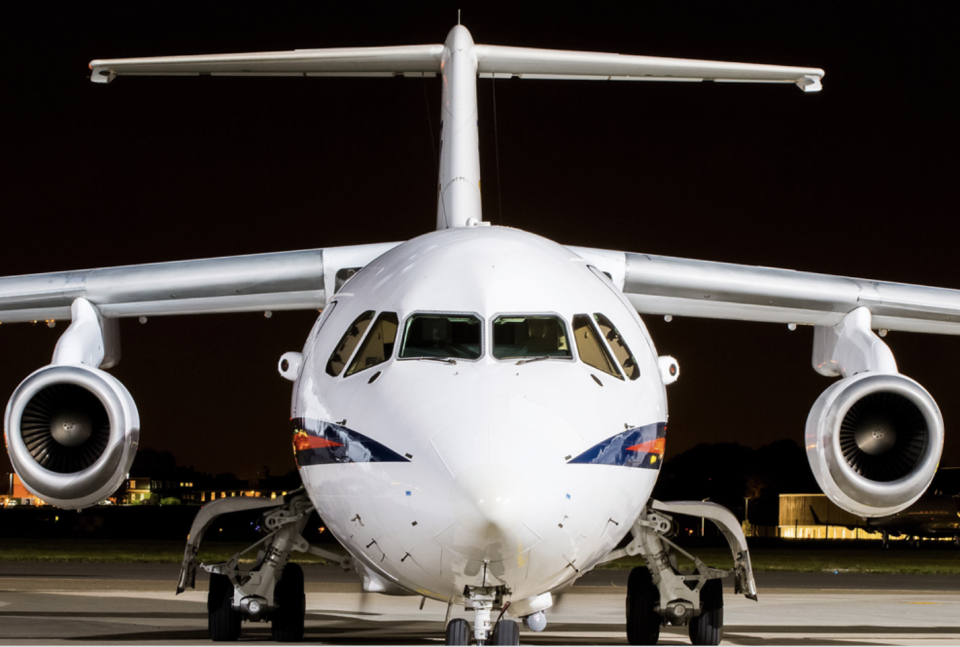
(18, 494)
(155, 485)
(799, 514)
(212, 495)
(189, 487)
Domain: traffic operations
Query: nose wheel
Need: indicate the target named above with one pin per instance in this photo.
(483, 601)
(458, 632)
(505, 632)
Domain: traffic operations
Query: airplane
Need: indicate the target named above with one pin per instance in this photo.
(478, 414)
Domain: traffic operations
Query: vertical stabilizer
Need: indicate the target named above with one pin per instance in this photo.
(458, 199)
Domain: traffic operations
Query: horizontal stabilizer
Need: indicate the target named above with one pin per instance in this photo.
(558, 64)
(424, 60)
(415, 60)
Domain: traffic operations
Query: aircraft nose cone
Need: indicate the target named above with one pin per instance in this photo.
(489, 502)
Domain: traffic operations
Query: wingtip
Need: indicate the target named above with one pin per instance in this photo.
(810, 82)
(100, 73)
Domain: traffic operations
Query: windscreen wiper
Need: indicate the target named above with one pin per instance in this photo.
(528, 360)
(445, 360)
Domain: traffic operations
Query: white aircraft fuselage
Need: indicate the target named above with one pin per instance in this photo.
(483, 472)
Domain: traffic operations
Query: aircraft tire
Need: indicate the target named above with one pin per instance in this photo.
(643, 621)
(287, 622)
(223, 622)
(506, 632)
(707, 628)
(458, 632)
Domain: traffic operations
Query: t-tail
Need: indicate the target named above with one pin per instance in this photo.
(459, 62)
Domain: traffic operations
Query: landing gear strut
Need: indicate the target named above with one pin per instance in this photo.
(659, 593)
(272, 590)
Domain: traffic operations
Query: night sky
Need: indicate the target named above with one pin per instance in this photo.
(859, 180)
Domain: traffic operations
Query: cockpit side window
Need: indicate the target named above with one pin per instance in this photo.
(591, 349)
(444, 336)
(348, 342)
(517, 336)
(378, 345)
(618, 346)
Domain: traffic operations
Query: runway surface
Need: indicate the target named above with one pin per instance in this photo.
(56, 603)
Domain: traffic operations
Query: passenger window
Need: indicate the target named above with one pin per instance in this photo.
(441, 336)
(619, 348)
(530, 336)
(348, 342)
(591, 350)
(378, 346)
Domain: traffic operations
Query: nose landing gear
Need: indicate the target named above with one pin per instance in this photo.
(482, 601)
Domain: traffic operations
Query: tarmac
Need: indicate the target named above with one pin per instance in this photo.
(119, 604)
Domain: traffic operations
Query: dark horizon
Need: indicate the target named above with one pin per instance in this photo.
(856, 181)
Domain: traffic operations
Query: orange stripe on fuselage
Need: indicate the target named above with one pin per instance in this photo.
(302, 442)
(655, 446)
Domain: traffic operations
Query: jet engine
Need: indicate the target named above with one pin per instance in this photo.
(72, 433)
(873, 441)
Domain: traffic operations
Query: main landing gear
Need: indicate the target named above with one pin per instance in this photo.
(272, 590)
(659, 593)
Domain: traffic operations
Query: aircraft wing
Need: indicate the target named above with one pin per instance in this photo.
(298, 280)
(425, 60)
(665, 285)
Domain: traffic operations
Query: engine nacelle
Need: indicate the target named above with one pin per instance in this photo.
(72, 433)
(873, 441)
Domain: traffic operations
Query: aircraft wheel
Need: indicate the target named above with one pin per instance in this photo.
(707, 628)
(458, 632)
(287, 621)
(505, 632)
(223, 621)
(643, 621)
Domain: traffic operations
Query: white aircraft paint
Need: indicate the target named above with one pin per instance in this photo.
(489, 496)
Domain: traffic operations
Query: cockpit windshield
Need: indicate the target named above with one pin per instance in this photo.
(441, 336)
(530, 336)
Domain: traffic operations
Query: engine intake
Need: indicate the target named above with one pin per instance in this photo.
(72, 433)
(873, 441)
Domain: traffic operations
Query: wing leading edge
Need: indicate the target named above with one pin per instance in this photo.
(665, 285)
